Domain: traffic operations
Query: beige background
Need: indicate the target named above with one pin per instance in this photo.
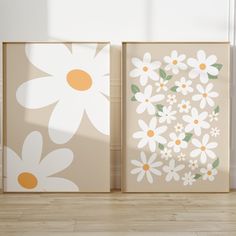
(130, 117)
(90, 169)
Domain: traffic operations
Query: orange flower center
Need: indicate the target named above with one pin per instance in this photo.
(195, 122)
(79, 80)
(27, 180)
(150, 133)
(145, 68)
(177, 142)
(184, 106)
(203, 148)
(161, 85)
(174, 62)
(209, 172)
(204, 95)
(202, 66)
(146, 167)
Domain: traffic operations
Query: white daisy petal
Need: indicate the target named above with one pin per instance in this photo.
(149, 177)
(134, 73)
(136, 171)
(140, 175)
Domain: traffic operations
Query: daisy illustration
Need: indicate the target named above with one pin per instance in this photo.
(188, 179)
(179, 127)
(203, 149)
(145, 69)
(208, 173)
(177, 142)
(205, 95)
(193, 164)
(161, 85)
(175, 62)
(215, 132)
(167, 115)
(184, 106)
(172, 170)
(146, 167)
(184, 86)
(150, 134)
(166, 154)
(202, 66)
(196, 121)
(77, 83)
(31, 173)
(171, 99)
(213, 116)
(146, 100)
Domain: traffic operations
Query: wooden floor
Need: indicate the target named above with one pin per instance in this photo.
(118, 214)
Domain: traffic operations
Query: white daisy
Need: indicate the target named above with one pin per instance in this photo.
(205, 96)
(150, 134)
(213, 116)
(161, 85)
(175, 62)
(193, 164)
(196, 121)
(146, 100)
(77, 82)
(171, 99)
(203, 149)
(202, 66)
(184, 86)
(178, 127)
(172, 170)
(208, 173)
(166, 154)
(146, 167)
(215, 132)
(181, 157)
(167, 115)
(31, 173)
(184, 106)
(177, 142)
(145, 69)
(188, 179)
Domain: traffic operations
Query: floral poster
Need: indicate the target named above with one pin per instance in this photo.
(57, 117)
(176, 117)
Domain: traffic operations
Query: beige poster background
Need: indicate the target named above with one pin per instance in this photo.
(130, 118)
(90, 169)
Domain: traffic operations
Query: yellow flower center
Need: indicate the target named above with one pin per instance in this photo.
(146, 167)
(202, 66)
(209, 172)
(161, 85)
(150, 133)
(79, 80)
(177, 142)
(184, 106)
(27, 180)
(174, 62)
(145, 68)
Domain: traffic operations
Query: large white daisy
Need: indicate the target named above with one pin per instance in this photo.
(77, 81)
(146, 167)
(31, 173)
(145, 69)
(196, 121)
(203, 149)
(205, 95)
(146, 100)
(150, 134)
(202, 66)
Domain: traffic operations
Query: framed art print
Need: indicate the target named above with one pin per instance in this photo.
(176, 117)
(56, 117)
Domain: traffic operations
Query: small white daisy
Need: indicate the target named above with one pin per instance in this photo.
(215, 132)
(193, 164)
(179, 127)
(213, 116)
(166, 154)
(161, 85)
(188, 179)
(208, 173)
(184, 106)
(167, 115)
(184, 86)
(172, 170)
(171, 99)
(177, 142)
(181, 157)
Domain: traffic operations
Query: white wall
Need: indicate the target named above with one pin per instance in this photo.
(116, 21)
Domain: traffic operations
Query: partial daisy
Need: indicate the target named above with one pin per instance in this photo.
(184, 86)
(166, 154)
(145, 69)
(179, 127)
(203, 149)
(177, 142)
(171, 99)
(175, 62)
(205, 95)
(202, 66)
(208, 173)
(184, 106)
(77, 83)
(213, 116)
(146, 167)
(150, 134)
(167, 115)
(181, 157)
(172, 170)
(193, 164)
(146, 100)
(215, 132)
(32, 173)
(188, 179)
(196, 121)
(161, 85)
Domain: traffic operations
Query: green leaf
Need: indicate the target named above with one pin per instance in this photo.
(168, 77)
(134, 89)
(162, 74)
(159, 107)
(216, 163)
(218, 66)
(188, 136)
(212, 76)
(217, 109)
(133, 98)
(197, 176)
(161, 146)
(173, 89)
